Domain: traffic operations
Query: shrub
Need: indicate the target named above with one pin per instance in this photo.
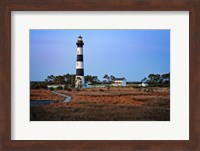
(68, 88)
(51, 89)
(59, 88)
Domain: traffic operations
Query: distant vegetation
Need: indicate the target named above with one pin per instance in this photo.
(67, 79)
(161, 80)
(153, 80)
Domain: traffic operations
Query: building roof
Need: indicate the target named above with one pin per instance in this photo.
(120, 79)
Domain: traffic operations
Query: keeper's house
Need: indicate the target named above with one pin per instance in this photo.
(119, 82)
(55, 86)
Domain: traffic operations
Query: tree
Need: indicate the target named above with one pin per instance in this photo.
(50, 78)
(106, 77)
(66, 77)
(112, 77)
(88, 78)
(154, 79)
(158, 79)
(144, 80)
(72, 80)
(92, 79)
(166, 78)
(95, 80)
(38, 85)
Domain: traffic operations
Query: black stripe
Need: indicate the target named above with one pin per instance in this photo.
(79, 72)
(80, 44)
(79, 57)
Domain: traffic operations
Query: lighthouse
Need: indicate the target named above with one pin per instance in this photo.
(79, 64)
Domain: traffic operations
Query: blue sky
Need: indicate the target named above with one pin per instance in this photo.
(132, 54)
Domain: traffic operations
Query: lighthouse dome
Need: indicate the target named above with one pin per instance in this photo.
(79, 38)
(80, 42)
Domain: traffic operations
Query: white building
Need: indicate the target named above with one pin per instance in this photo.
(119, 82)
(143, 84)
(55, 86)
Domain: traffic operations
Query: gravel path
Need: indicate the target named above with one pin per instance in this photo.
(67, 98)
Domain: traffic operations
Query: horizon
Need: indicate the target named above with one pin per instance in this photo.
(98, 78)
(53, 52)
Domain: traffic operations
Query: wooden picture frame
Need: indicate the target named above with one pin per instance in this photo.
(193, 6)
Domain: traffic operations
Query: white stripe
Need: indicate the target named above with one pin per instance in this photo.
(79, 51)
(79, 65)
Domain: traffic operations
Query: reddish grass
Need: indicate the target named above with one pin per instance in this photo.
(44, 95)
(115, 104)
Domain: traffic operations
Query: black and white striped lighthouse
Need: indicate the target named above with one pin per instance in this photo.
(79, 64)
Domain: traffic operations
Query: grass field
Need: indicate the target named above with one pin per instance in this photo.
(100, 104)
(44, 95)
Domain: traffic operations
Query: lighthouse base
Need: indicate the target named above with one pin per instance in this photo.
(79, 82)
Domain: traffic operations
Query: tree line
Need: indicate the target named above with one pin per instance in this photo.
(69, 80)
(157, 79)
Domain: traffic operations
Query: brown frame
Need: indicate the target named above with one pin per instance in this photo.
(193, 6)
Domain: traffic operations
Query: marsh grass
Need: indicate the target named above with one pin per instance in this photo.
(125, 104)
(44, 95)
